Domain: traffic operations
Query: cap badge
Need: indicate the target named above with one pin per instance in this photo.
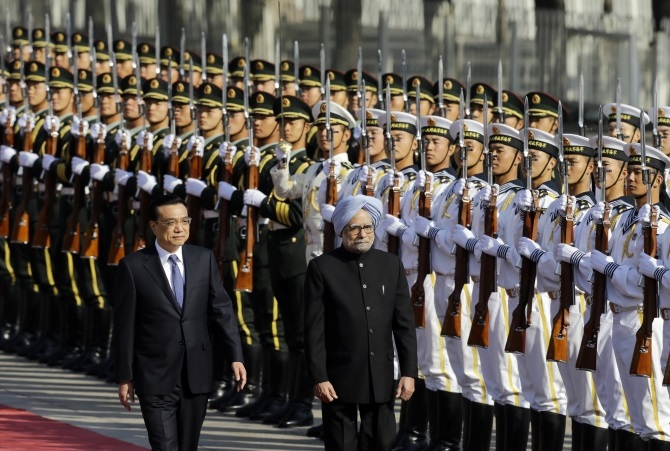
(331, 75)
(180, 87)
(416, 82)
(465, 127)
(106, 78)
(60, 37)
(389, 79)
(77, 38)
(307, 72)
(448, 84)
(285, 103)
(631, 150)
(531, 135)
(55, 72)
(187, 56)
(394, 118)
(613, 109)
(168, 51)
(207, 90)
(480, 89)
(132, 80)
(38, 34)
(354, 75)
(496, 130)
(144, 48)
(17, 64)
(284, 65)
(33, 67)
(101, 45)
(260, 98)
(241, 62)
(210, 59)
(231, 93)
(661, 112)
(153, 84)
(369, 114)
(120, 45)
(19, 32)
(536, 98)
(323, 107)
(259, 65)
(431, 122)
(505, 97)
(82, 75)
(566, 141)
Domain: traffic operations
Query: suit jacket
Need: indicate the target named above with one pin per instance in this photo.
(355, 306)
(153, 336)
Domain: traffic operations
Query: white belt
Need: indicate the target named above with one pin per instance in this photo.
(616, 309)
(210, 214)
(67, 191)
(242, 221)
(273, 225)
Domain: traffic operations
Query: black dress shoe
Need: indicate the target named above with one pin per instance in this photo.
(412, 441)
(273, 407)
(298, 415)
(224, 399)
(241, 399)
(258, 404)
(315, 431)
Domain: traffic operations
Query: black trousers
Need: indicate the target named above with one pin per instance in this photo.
(377, 431)
(174, 421)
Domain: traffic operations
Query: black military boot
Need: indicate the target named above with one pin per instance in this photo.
(42, 331)
(253, 364)
(658, 445)
(433, 421)
(552, 431)
(627, 441)
(99, 334)
(535, 429)
(416, 420)
(299, 412)
(8, 312)
(77, 324)
(517, 426)
(277, 387)
(262, 398)
(92, 354)
(593, 438)
(68, 321)
(105, 336)
(576, 434)
(499, 417)
(27, 319)
(480, 428)
(449, 422)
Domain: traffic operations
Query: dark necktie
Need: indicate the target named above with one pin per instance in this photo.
(177, 281)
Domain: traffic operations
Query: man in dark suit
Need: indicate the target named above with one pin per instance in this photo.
(167, 295)
(356, 305)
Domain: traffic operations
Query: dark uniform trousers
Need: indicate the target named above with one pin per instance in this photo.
(377, 431)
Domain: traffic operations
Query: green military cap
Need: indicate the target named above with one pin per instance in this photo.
(337, 82)
(577, 145)
(122, 50)
(309, 76)
(155, 89)
(180, 92)
(480, 90)
(395, 83)
(291, 107)
(35, 71)
(39, 38)
(425, 88)
(214, 63)
(105, 84)
(262, 70)
(60, 42)
(351, 79)
(101, 50)
(80, 42)
(451, 90)
(60, 78)
(170, 53)
(19, 36)
(236, 67)
(191, 57)
(235, 99)
(541, 104)
(287, 71)
(146, 53)
(210, 95)
(512, 104)
(85, 80)
(129, 85)
(261, 103)
(15, 69)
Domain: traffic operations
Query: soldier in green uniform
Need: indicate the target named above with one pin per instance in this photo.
(147, 58)
(40, 46)
(194, 59)
(61, 48)
(215, 69)
(124, 58)
(102, 65)
(169, 57)
(338, 88)
(81, 47)
(478, 92)
(425, 92)
(451, 91)
(289, 85)
(263, 76)
(20, 41)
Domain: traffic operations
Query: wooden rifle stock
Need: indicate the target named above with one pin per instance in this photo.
(558, 342)
(226, 175)
(418, 297)
(516, 340)
(6, 199)
(331, 199)
(71, 242)
(479, 331)
(370, 184)
(173, 161)
(245, 276)
(393, 242)
(90, 247)
(117, 248)
(640, 365)
(451, 327)
(145, 199)
(586, 359)
(193, 202)
(20, 231)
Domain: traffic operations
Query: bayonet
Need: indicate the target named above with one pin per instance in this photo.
(602, 174)
(322, 62)
(112, 69)
(359, 85)
(203, 51)
(277, 68)
(224, 96)
(24, 86)
(646, 177)
(136, 67)
(526, 153)
(92, 56)
(296, 67)
(580, 119)
(404, 81)
(30, 34)
(329, 129)
(501, 113)
(68, 31)
(488, 158)
(182, 50)
(247, 115)
(468, 82)
(561, 155)
(461, 138)
(619, 133)
(47, 72)
(191, 105)
(440, 88)
(169, 90)
(422, 153)
(157, 50)
(654, 117)
(380, 96)
(8, 32)
(390, 144)
(5, 88)
(364, 132)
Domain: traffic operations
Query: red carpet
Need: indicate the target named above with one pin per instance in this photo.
(22, 430)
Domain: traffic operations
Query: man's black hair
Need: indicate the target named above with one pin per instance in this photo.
(165, 199)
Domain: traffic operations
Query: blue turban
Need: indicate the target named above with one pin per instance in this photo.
(350, 205)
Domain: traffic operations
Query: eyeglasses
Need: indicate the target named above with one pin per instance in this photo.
(172, 223)
(356, 229)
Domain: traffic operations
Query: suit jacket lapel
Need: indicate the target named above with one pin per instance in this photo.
(189, 272)
(153, 265)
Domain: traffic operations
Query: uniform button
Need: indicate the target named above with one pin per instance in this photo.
(181, 342)
(367, 308)
(360, 264)
(293, 240)
(372, 354)
(372, 331)
(365, 286)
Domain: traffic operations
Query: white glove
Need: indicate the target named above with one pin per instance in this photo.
(98, 171)
(226, 190)
(336, 166)
(423, 226)
(77, 125)
(98, 131)
(27, 159)
(603, 263)
(393, 225)
(391, 175)
(119, 136)
(459, 185)
(27, 122)
(146, 181)
(530, 249)
(644, 214)
(408, 237)
(421, 177)
(78, 164)
(563, 203)
(199, 143)
(569, 254)
(485, 193)
(8, 114)
(6, 154)
(491, 246)
(650, 267)
(524, 199)
(168, 143)
(253, 197)
(598, 211)
(47, 161)
(327, 212)
(464, 237)
(363, 173)
(257, 155)
(227, 151)
(194, 187)
(122, 176)
(170, 183)
(51, 123)
(139, 139)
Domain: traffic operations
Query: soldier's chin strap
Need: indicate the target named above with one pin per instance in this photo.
(509, 169)
(584, 172)
(542, 171)
(616, 179)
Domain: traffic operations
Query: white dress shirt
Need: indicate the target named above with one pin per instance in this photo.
(167, 266)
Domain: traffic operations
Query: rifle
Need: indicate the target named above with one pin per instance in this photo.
(521, 316)
(558, 342)
(8, 140)
(365, 142)
(440, 89)
(501, 112)
(404, 83)
(640, 364)
(393, 242)
(245, 276)
(140, 241)
(117, 249)
(331, 180)
(193, 202)
(587, 357)
(468, 82)
(580, 118)
(452, 318)
(360, 93)
(380, 96)
(488, 284)
(71, 238)
(296, 73)
(654, 116)
(418, 293)
(322, 67)
(619, 133)
(173, 159)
